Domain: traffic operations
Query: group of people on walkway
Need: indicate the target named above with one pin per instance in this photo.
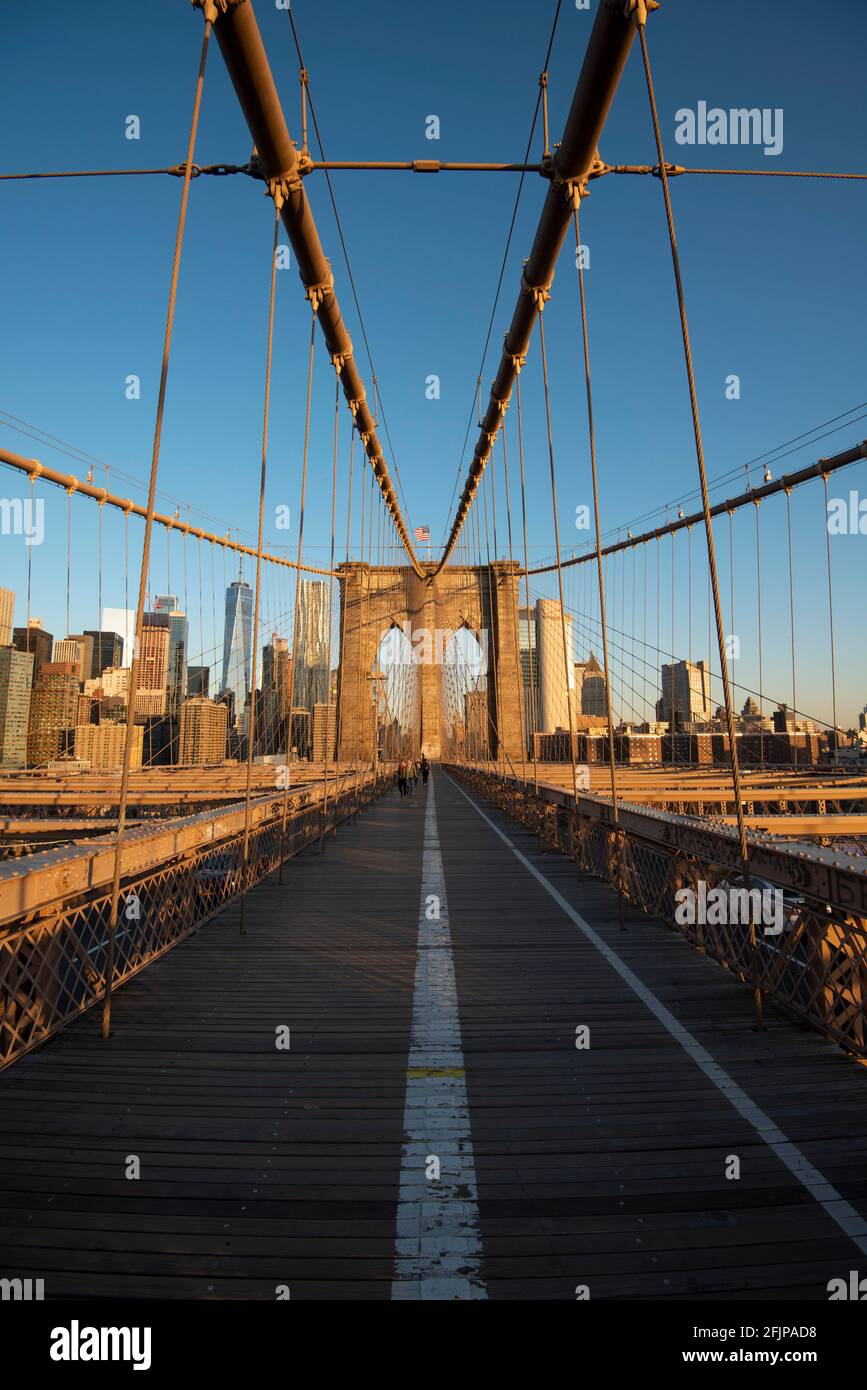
(408, 774)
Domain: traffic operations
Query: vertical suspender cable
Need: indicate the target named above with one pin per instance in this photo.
(210, 16)
(791, 599)
(568, 657)
(830, 627)
(337, 368)
(531, 638)
(759, 624)
(708, 524)
(251, 723)
(591, 429)
(295, 653)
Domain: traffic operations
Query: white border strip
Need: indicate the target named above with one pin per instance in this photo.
(850, 1222)
(438, 1248)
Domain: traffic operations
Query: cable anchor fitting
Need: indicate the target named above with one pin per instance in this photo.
(636, 9)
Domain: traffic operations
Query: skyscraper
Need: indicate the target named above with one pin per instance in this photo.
(7, 606)
(238, 645)
(35, 640)
(685, 692)
(312, 661)
(121, 621)
(592, 693)
(176, 684)
(272, 714)
(16, 670)
(107, 651)
(198, 681)
(529, 668)
(555, 668)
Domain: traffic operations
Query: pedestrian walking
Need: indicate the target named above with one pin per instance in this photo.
(425, 769)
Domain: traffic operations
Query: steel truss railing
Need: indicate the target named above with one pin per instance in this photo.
(53, 968)
(816, 968)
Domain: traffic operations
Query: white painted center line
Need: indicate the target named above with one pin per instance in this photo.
(823, 1192)
(438, 1249)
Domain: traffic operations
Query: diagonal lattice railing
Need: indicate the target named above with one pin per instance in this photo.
(816, 967)
(54, 968)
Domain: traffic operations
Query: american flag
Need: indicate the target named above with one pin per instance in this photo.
(422, 533)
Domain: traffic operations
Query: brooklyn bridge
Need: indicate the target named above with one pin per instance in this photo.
(385, 919)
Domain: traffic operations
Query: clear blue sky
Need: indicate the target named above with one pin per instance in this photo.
(774, 272)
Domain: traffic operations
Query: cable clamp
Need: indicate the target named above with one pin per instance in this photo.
(635, 9)
(277, 188)
(502, 406)
(354, 404)
(317, 293)
(179, 170)
(540, 294)
(671, 170)
(73, 487)
(518, 360)
(213, 8)
(283, 184)
(339, 361)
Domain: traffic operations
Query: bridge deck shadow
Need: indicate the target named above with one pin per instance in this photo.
(262, 1167)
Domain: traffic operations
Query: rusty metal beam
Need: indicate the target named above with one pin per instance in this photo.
(607, 51)
(241, 45)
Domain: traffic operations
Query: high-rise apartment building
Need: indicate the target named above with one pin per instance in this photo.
(53, 708)
(238, 645)
(113, 681)
(153, 666)
(78, 649)
(7, 607)
(16, 669)
(203, 729)
(324, 732)
(35, 640)
(102, 745)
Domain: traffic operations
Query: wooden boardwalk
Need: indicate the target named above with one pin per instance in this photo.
(263, 1168)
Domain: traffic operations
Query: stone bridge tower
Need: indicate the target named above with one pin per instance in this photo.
(482, 598)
